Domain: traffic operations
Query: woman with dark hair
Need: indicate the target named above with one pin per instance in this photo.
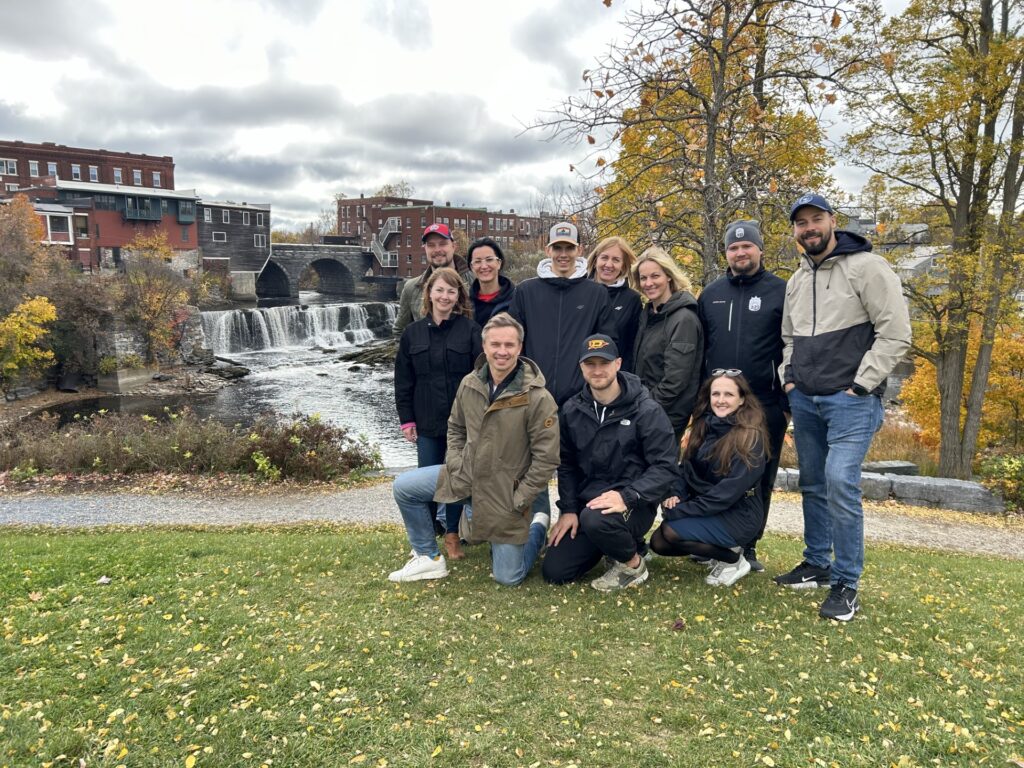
(491, 292)
(717, 507)
(669, 344)
(434, 354)
(611, 264)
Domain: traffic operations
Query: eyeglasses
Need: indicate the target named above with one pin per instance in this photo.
(481, 262)
(732, 373)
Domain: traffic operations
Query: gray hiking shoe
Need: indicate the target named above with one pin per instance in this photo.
(621, 576)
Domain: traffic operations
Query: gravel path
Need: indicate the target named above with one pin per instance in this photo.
(935, 529)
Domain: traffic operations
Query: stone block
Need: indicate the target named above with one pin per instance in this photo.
(125, 379)
(875, 486)
(787, 479)
(891, 467)
(946, 493)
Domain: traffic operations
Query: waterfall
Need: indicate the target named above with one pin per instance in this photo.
(333, 325)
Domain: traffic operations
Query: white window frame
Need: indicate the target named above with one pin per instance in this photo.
(208, 215)
(225, 216)
(8, 166)
(259, 240)
(51, 169)
(118, 176)
(94, 173)
(220, 237)
(33, 168)
(11, 187)
(156, 179)
(259, 219)
(76, 172)
(245, 218)
(137, 177)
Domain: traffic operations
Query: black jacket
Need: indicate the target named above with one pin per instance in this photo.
(734, 496)
(626, 307)
(485, 310)
(431, 362)
(627, 446)
(669, 350)
(742, 320)
(558, 313)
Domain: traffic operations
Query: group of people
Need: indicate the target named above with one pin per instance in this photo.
(641, 399)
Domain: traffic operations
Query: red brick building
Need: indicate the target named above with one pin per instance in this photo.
(391, 228)
(25, 165)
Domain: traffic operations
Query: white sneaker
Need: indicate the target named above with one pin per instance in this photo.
(727, 574)
(419, 568)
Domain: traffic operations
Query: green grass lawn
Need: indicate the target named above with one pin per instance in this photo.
(289, 647)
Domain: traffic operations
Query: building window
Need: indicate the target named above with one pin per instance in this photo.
(156, 178)
(423, 258)
(105, 202)
(8, 167)
(423, 221)
(118, 179)
(245, 218)
(94, 173)
(11, 187)
(225, 217)
(137, 177)
(76, 172)
(164, 207)
(408, 258)
(51, 169)
(184, 234)
(490, 223)
(408, 221)
(33, 168)
(259, 219)
(207, 215)
(260, 241)
(220, 237)
(408, 241)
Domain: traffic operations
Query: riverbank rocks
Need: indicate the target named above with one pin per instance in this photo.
(378, 354)
(228, 371)
(942, 492)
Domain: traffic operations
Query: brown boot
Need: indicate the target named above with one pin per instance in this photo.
(453, 546)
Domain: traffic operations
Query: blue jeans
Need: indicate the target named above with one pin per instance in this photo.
(833, 434)
(414, 490)
(430, 451)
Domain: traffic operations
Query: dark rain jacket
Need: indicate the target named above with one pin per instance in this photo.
(485, 310)
(627, 446)
(500, 454)
(845, 321)
(410, 301)
(742, 320)
(558, 313)
(669, 350)
(733, 496)
(431, 362)
(625, 305)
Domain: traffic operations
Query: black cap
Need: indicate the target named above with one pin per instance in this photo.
(599, 345)
(812, 199)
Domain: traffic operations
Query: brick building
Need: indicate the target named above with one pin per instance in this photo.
(25, 165)
(391, 228)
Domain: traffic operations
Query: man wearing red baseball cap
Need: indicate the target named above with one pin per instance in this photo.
(439, 246)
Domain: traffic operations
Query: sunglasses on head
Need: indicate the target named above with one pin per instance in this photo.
(730, 372)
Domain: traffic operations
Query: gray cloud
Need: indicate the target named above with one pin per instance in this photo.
(546, 36)
(407, 21)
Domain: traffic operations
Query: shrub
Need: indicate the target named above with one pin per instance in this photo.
(301, 448)
(1004, 474)
(107, 365)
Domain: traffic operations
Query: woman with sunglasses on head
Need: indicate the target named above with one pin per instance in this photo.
(611, 264)
(491, 292)
(434, 354)
(669, 344)
(717, 507)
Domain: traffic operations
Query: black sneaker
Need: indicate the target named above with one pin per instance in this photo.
(750, 555)
(840, 604)
(805, 576)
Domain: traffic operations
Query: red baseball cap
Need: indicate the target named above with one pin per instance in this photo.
(437, 229)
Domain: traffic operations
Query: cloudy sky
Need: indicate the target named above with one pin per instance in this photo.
(293, 101)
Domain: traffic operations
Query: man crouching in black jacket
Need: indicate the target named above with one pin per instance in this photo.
(618, 460)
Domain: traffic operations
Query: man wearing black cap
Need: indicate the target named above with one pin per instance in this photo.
(741, 313)
(439, 248)
(618, 460)
(845, 326)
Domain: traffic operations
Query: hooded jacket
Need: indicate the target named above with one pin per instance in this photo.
(485, 310)
(558, 313)
(742, 320)
(734, 496)
(667, 356)
(501, 454)
(627, 446)
(431, 362)
(625, 305)
(845, 321)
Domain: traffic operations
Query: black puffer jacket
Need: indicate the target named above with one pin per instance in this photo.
(704, 493)
(431, 362)
(669, 350)
(558, 313)
(627, 446)
(485, 310)
(626, 306)
(742, 320)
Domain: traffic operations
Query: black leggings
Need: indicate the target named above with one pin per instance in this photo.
(667, 543)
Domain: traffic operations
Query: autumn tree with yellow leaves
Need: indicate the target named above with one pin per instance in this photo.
(150, 291)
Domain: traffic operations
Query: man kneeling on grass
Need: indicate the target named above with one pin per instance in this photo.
(502, 448)
(618, 462)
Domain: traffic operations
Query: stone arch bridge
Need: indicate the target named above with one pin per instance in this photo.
(342, 269)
